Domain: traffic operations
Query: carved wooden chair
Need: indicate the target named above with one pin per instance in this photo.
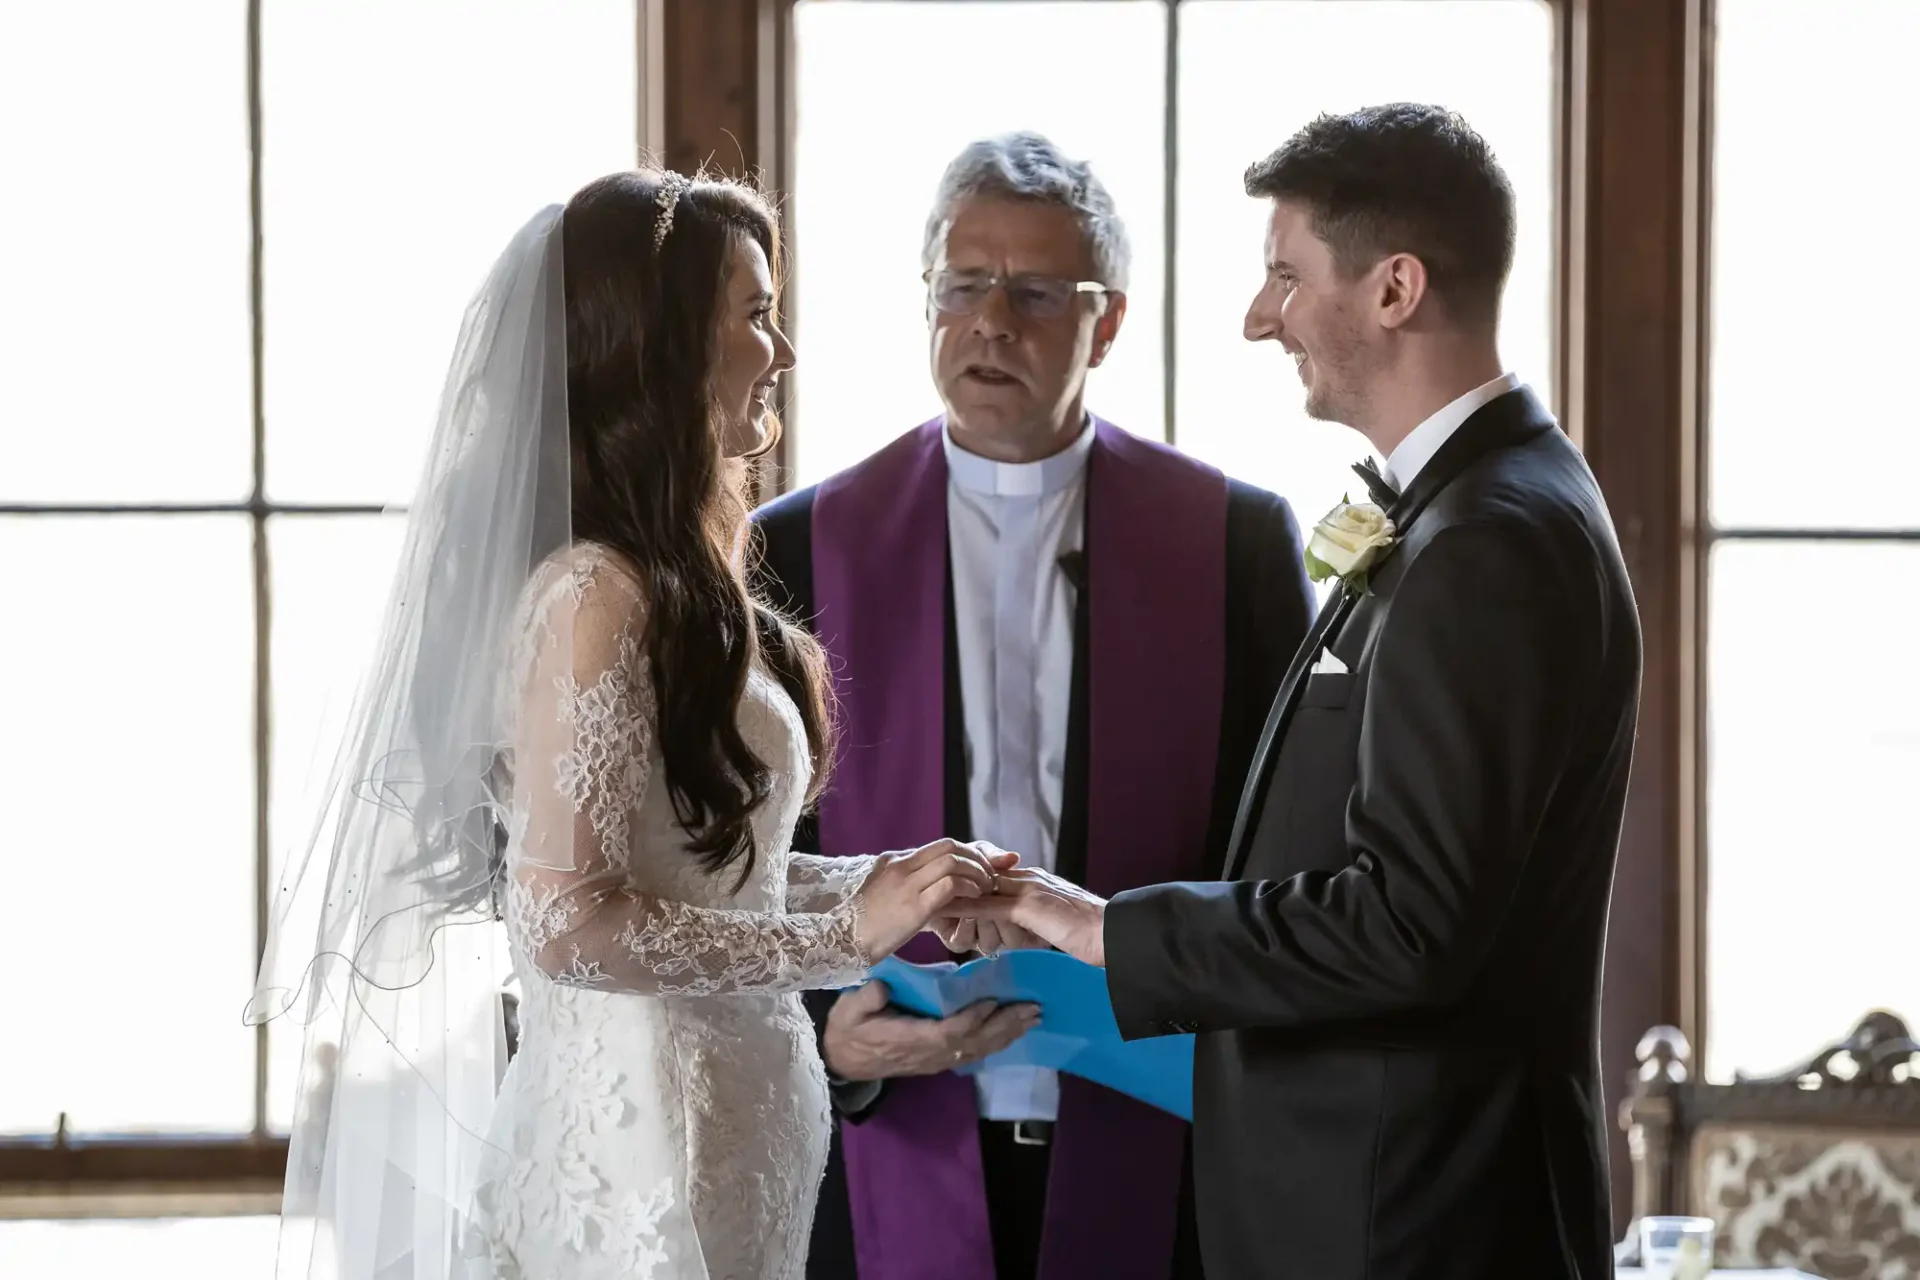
(1817, 1168)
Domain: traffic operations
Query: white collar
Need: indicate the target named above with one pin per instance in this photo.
(1421, 443)
(1018, 479)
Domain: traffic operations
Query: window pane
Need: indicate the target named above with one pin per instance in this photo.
(331, 579)
(127, 374)
(1091, 76)
(405, 144)
(126, 927)
(1240, 404)
(1813, 742)
(1808, 376)
(163, 1249)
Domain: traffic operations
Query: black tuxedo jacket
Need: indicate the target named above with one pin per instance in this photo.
(1268, 608)
(1396, 987)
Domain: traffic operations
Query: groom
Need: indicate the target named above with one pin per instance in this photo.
(1396, 984)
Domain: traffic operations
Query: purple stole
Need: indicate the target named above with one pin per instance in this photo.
(1156, 560)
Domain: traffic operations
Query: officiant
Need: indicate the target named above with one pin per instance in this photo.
(1033, 615)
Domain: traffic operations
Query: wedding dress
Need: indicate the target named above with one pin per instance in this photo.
(667, 1112)
(665, 1116)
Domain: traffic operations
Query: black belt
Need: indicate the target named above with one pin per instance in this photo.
(1025, 1133)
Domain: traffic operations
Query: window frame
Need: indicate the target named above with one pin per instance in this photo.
(1693, 851)
(60, 1175)
(715, 81)
(773, 78)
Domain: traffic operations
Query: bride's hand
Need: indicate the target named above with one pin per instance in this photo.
(905, 890)
(964, 934)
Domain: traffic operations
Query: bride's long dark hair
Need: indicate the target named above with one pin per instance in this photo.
(650, 482)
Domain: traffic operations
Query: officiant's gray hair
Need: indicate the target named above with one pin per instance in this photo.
(1029, 167)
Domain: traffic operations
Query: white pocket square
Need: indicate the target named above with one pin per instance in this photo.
(1329, 664)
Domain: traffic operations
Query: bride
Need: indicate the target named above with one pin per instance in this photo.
(580, 721)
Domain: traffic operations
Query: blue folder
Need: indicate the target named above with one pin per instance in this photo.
(1076, 1032)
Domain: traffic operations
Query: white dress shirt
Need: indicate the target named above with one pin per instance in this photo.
(1417, 450)
(1008, 524)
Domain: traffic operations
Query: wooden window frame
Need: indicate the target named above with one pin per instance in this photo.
(716, 88)
(59, 1175)
(1699, 535)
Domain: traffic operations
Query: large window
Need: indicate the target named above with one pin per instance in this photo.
(887, 93)
(237, 241)
(1813, 559)
(1091, 75)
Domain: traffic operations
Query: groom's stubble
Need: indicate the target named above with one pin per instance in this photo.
(1343, 368)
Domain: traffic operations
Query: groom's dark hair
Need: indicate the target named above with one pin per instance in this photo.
(1403, 178)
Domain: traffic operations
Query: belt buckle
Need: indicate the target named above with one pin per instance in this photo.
(1032, 1133)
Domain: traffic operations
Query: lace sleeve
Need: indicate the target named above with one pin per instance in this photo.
(578, 903)
(821, 884)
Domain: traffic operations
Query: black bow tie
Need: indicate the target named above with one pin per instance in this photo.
(1384, 495)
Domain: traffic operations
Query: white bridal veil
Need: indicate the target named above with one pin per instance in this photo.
(383, 943)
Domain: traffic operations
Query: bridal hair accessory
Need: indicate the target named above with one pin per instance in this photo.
(672, 187)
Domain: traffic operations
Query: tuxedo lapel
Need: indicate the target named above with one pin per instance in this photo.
(1507, 420)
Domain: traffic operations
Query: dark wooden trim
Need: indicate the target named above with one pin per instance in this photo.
(1633, 258)
(711, 91)
(49, 1166)
(725, 103)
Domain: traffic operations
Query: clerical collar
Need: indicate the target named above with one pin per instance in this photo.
(1018, 479)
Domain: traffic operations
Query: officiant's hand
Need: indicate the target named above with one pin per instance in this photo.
(865, 1040)
(905, 890)
(1056, 910)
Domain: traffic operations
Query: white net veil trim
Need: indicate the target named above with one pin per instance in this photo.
(383, 940)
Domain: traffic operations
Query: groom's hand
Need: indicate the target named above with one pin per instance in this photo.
(865, 1040)
(1056, 911)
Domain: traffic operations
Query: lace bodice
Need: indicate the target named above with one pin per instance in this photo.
(667, 1116)
(591, 900)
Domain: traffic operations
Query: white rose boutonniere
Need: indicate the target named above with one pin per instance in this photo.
(1348, 542)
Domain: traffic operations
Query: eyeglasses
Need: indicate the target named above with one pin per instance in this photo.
(963, 293)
